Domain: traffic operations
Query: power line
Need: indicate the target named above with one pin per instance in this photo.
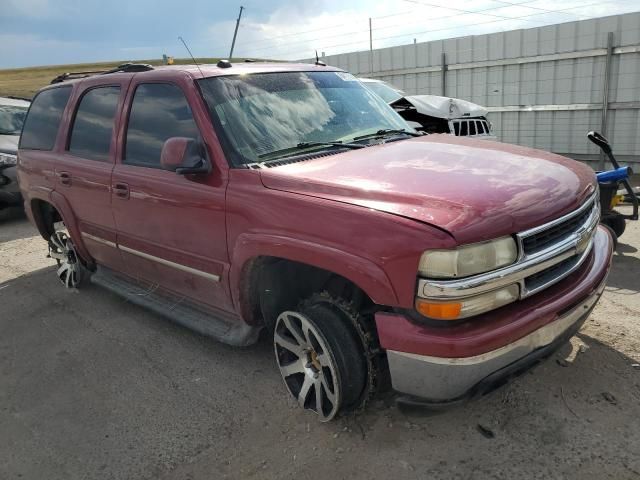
(454, 28)
(524, 4)
(320, 29)
(466, 12)
(480, 12)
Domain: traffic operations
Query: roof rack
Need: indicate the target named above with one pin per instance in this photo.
(123, 68)
(15, 97)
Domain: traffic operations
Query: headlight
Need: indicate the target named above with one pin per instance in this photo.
(456, 309)
(469, 259)
(7, 160)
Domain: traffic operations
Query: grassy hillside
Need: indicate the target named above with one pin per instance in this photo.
(24, 82)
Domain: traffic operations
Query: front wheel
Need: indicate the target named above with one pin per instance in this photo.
(321, 359)
(617, 223)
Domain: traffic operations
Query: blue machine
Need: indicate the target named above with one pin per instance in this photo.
(609, 182)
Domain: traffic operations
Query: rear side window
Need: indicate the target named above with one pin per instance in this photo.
(43, 120)
(93, 125)
(158, 112)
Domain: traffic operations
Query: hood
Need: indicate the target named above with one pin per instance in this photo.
(9, 143)
(476, 190)
(445, 107)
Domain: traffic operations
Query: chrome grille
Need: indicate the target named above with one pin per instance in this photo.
(470, 127)
(574, 230)
(539, 280)
(539, 241)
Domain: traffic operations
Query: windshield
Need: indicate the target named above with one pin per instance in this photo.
(11, 119)
(261, 114)
(384, 91)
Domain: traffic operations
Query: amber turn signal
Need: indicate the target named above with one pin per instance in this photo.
(439, 311)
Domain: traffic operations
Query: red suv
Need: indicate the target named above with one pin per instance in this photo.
(236, 198)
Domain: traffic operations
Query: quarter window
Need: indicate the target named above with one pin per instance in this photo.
(158, 112)
(43, 120)
(93, 125)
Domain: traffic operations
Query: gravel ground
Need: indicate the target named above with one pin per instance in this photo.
(93, 387)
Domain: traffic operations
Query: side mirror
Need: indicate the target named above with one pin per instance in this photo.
(600, 141)
(185, 156)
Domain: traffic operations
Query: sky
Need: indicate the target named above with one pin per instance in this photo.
(51, 32)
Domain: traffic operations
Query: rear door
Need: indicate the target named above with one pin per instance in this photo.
(83, 170)
(40, 141)
(171, 228)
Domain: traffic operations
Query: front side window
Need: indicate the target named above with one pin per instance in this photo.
(43, 120)
(261, 115)
(158, 112)
(11, 119)
(93, 125)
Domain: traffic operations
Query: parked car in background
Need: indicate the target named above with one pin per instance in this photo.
(288, 197)
(435, 114)
(12, 114)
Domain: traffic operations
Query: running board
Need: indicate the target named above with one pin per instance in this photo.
(224, 327)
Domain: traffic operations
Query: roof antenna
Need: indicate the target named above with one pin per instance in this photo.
(318, 62)
(191, 54)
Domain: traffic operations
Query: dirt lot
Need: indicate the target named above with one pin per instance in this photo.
(94, 387)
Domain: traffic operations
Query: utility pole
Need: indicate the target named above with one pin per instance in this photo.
(605, 93)
(370, 47)
(235, 33)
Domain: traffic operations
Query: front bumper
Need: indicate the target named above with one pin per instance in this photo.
(9, 189)
(493, 354)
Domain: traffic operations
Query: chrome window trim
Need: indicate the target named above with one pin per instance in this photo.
(579, 242)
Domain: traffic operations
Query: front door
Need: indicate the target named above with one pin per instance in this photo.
(171, 228)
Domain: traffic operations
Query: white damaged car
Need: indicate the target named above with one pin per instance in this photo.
(435, 114)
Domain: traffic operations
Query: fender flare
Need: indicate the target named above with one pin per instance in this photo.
(362, 272)
(68, 217)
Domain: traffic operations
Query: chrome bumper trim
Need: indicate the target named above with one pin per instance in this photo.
(579, 242)
(442, 379)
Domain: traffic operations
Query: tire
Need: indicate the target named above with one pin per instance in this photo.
(321, 358)
(617, 224)
(614, 237)
(71, 272)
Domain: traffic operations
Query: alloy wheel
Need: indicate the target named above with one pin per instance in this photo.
(307, 365)
(62, 250)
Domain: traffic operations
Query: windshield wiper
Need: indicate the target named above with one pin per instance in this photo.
(386, 132)
(306, 145)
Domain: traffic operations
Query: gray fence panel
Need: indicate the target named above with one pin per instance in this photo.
(545, 84)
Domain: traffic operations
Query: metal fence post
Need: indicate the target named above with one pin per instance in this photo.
(444, 74)
(370, 47)
(605, 93)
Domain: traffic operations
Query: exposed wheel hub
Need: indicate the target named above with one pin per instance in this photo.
(62, 250)
(307, 365)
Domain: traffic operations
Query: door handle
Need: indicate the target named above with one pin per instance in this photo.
(121, 190)
(65, 178)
